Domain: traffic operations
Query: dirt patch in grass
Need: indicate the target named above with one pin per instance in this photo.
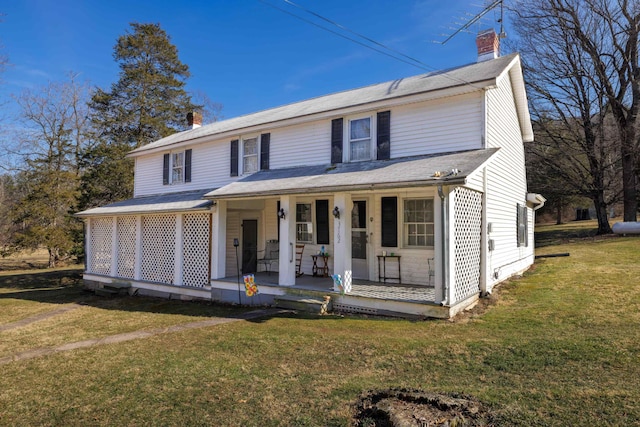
(415, 408)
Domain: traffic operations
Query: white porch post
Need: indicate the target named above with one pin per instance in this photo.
(219, 241)
(88, 265)
(451, 249)
(342, 241)
(179, 251)
(114, 247)
(137, 266)
(287, 265)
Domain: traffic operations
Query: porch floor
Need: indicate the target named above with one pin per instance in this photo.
(360, 288)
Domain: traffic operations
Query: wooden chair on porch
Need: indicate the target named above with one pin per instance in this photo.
(299, 251)
(270, 255)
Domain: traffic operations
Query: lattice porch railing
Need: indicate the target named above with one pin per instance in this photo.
(467, 228)
(100, 245)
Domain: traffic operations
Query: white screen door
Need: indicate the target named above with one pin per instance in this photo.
(359, 240)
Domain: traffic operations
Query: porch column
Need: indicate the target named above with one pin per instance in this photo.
(178, 261)
(137, 266)
(219, 240)
(442, 233)
(287, 264)
(114, 247)
(342, 241)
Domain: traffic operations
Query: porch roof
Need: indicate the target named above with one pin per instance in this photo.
(452, 168)
(172, 202)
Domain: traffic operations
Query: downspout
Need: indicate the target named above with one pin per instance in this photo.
(445, 246)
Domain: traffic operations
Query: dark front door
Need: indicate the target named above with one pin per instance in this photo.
(249, 246)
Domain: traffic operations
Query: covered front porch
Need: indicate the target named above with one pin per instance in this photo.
(365, 297)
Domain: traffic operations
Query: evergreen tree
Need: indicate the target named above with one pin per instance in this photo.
(147, 103)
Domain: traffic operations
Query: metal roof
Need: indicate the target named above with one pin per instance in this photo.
(448, 168)
(171, 202)
(483, 73)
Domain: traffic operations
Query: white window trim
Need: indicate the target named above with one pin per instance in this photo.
(172, 166)
(404, 224)
(313, 221)
(346, 155)
(241, 154)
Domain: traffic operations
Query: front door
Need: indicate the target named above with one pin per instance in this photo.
(249, 246)
(359, 240)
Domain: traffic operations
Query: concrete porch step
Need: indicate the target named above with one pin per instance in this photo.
(113, 289)
(302, 303)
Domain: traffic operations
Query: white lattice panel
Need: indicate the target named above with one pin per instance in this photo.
(126, 246)
(195, 270)
(100, 242)
(467, 234)
(158, 248)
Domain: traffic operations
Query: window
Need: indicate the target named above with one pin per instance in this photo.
(418, 222)
(523, 232)
(360, 139)
(250, 155)
(304, 223)
(177, 168)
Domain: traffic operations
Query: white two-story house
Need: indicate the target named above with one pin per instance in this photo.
(415, 189)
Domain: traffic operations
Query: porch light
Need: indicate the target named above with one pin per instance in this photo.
(336, 212)
(281, 214)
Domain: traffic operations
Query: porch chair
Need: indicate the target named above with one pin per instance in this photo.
(270, 255)
(299, 251)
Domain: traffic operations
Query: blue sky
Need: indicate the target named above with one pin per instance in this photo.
(243, 54)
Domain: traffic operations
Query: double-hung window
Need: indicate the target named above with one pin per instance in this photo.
(249, 155)
(177, 167)
(360, 139)
(304, 223)
(418, 223)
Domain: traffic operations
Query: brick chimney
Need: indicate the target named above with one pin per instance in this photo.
(488, 45)
(194, 120)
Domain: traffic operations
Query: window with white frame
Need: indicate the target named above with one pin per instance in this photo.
(304, 223)
(177, 167)
(360, 139)
(250, 155)
(522, 220)
(418, 223)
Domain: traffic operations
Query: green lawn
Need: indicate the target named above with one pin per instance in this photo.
(561, 346)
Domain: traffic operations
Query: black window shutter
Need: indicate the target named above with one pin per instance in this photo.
(265, 141)
(384, 135)
(234, 157)
(336, 140)
(165, 169)
(187, 165)
(390, 222)
(322, 221)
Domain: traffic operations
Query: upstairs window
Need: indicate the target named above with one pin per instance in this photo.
(360, 139)
(418, 223)
(176, 167)
(249, 155)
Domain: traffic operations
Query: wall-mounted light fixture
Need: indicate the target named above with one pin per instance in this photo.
(336, 212)
(282, 214)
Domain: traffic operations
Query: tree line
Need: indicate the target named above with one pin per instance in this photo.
(69, 154)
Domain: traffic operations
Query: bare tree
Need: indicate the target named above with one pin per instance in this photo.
(54, 121)
(581, 61)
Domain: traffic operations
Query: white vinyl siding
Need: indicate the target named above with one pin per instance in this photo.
(209, 169)
(301, 145)
(442, 125)
(506, 183)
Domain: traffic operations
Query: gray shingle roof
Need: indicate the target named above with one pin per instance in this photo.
(172, 202)
(396, 173)
(460, 76)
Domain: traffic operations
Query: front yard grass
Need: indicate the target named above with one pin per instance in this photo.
(560, 346)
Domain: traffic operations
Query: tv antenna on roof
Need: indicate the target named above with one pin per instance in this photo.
(477, 17)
